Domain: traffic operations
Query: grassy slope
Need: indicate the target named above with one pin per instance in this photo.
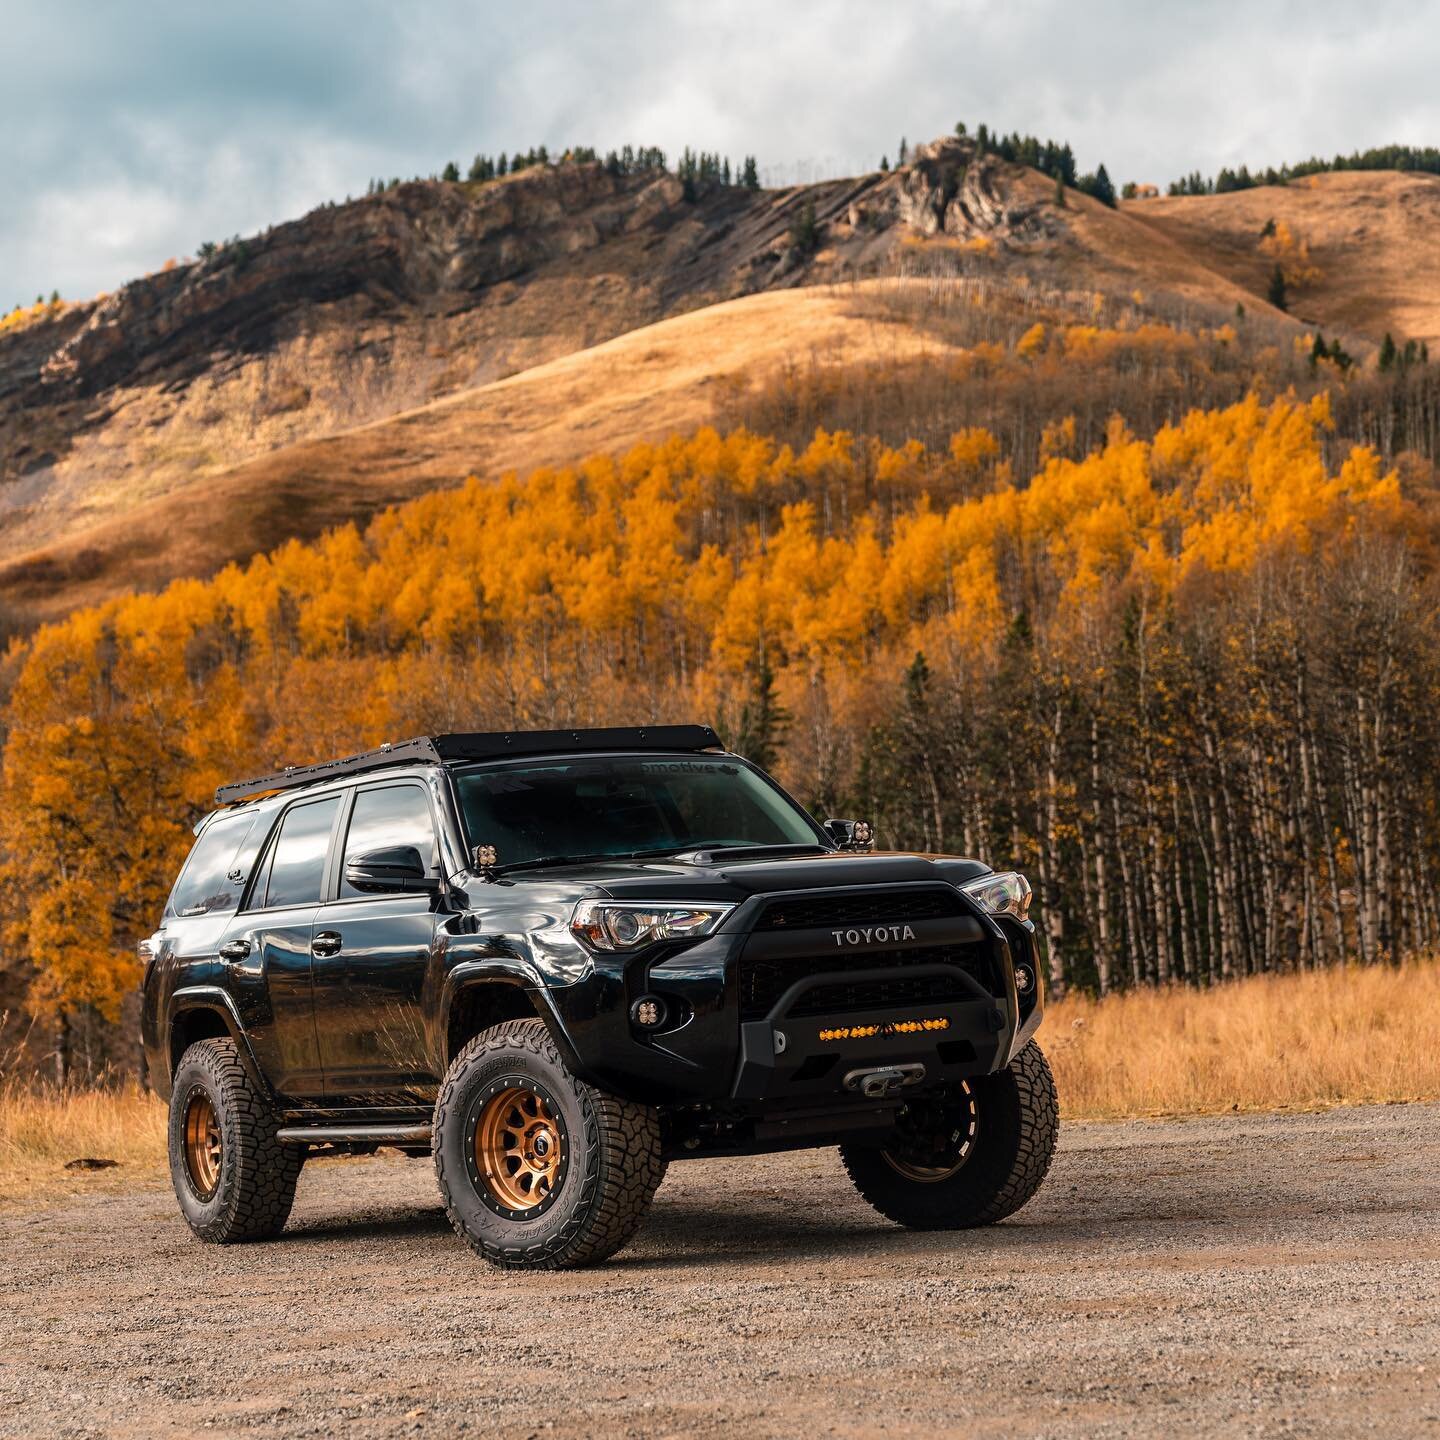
(1370, 234)
(647, 384)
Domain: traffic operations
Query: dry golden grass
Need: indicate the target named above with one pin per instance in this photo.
(1330, 1037)
(43, 1127)
(648, 384)
(1334, 1037)
(1373, 264)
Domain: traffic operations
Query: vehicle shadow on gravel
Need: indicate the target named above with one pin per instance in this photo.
(677, 1236)
(409, 1224)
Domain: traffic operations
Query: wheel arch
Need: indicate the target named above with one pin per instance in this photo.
(478, 996)
(206, 1013)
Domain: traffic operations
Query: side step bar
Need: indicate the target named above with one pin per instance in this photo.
(353, 1134)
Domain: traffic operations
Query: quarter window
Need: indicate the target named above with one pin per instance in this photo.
(389, 818)
(297, 870)
(205, 886)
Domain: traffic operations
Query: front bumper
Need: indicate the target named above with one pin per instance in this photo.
(955, 1013)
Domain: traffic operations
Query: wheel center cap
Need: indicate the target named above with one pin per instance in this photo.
(540, 1144)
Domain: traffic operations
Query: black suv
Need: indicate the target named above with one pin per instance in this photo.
(556, 961)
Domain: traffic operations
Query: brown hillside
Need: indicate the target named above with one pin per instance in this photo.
(376, 349)
(647, 384)
(1370, 237)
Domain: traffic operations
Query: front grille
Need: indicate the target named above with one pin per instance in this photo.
(764, 981)
(862, 907)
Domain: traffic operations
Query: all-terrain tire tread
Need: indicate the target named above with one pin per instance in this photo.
(1039, 1132)
(615, 1195)
(265, 1172)
(1039, 1129)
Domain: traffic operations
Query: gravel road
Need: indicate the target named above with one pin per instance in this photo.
(1241, 1276)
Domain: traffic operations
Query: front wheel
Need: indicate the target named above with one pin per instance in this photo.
(537, 1169)
(969, 1158)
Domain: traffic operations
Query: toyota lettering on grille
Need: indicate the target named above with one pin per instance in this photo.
(873, 934)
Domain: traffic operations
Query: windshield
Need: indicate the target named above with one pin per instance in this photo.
(620, 805)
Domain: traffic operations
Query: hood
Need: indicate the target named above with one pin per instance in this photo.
(734, 879)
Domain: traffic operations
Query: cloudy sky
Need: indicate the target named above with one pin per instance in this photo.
(130, 133)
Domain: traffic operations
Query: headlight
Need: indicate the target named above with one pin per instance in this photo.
(1007, 893)
(613, 925)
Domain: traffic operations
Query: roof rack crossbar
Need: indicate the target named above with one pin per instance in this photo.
(480, 745)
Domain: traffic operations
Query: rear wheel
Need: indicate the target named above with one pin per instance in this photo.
(233, 1179)
(969, 1158)
(537, 1169)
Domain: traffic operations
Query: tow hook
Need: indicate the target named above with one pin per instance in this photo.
(884, 1080)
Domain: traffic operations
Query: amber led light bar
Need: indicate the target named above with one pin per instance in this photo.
(891, 1027)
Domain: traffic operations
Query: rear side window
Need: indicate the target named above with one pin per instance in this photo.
(210, 882)
(386, 819)
(297, 862)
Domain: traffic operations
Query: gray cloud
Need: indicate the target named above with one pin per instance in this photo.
(129, 134)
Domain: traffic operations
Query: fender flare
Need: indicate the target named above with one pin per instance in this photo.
(218, 1002)
(503, 970)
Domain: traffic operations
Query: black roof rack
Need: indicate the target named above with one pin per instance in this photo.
(486, 745)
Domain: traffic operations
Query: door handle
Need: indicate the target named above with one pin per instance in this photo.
(327, 942)
(234, 950)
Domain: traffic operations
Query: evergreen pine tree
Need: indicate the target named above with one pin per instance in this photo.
(1101, 188)
(1059, 192)
(1388, 352)
(763, 720)
(751, 177)
(804, 232)
(904, 150)
(1276, 293)
(451, 171)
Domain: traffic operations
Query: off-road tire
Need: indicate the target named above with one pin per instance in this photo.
(613, 1163)
(1017, 1121)
(256, 1183)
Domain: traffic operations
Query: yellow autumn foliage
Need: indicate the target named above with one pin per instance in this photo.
(629, 587)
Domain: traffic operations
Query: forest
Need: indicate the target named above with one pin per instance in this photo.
(1175, 665)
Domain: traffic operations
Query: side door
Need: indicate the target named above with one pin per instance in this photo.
(268, 946)
(372, 953)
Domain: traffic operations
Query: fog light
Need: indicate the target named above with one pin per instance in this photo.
(1024, 980)
(648, 1012)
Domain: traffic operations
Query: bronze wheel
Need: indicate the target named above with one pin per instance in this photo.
(204, 1148)
(233, 1179)
(537, 1169)
(933, 1142)
(519, 1149)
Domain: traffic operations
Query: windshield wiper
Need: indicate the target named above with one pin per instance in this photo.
(704, 854)
(547, 860)
(543, 861)
(689, 851)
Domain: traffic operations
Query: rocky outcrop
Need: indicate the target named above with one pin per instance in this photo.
(949, 189)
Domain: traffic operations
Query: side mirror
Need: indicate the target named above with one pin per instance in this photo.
(851, 834)
(399, 869)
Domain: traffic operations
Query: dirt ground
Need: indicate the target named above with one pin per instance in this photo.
(1240, 1276)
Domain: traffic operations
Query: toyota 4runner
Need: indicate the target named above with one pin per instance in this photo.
(556, 962)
